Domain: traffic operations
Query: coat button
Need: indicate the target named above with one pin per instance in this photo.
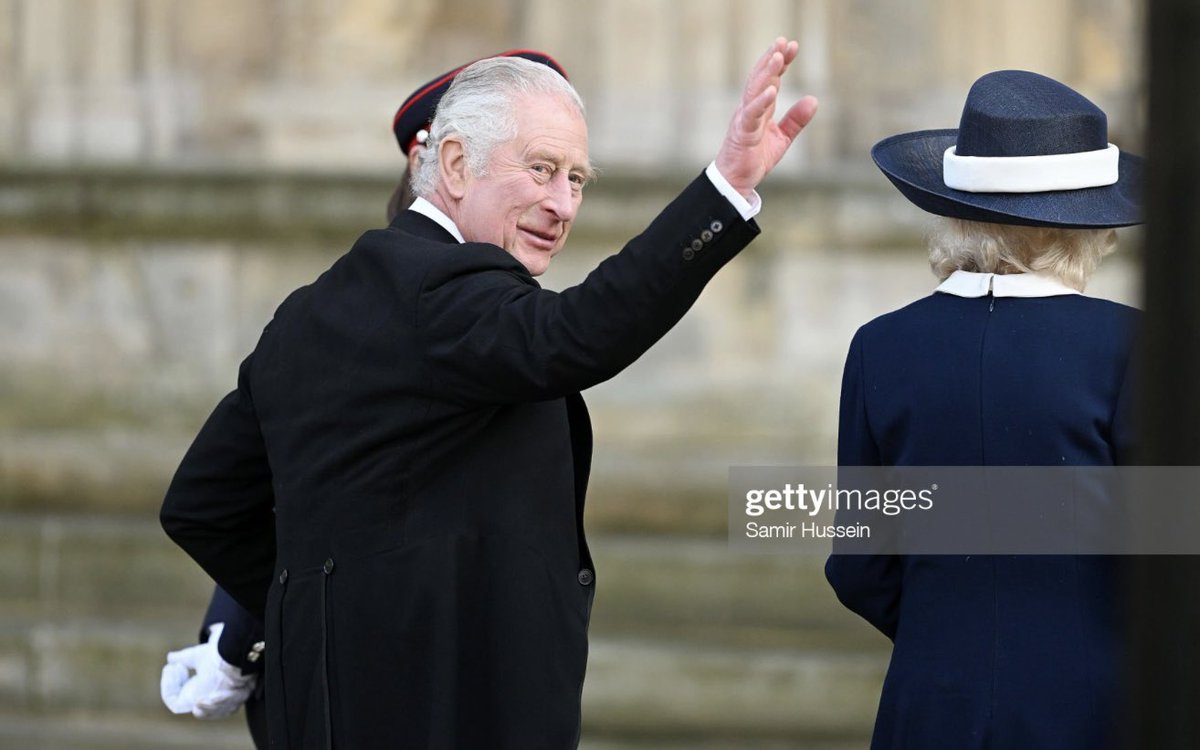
(328, 566)
(586, 577)
(716, 226)
(688, 253)
(706, 235)
(697, 245)
(283, 576)
(256, 652)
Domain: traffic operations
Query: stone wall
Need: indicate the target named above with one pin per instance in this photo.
(130, 298)
(170, 169)
(313, 83)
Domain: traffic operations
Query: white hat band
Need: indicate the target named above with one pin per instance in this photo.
(1030, 174)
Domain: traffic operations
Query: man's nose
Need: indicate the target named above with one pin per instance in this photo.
(561, 198)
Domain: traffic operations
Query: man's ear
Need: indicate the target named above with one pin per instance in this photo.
(452, 163)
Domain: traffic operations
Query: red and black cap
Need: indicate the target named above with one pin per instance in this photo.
(416, 113)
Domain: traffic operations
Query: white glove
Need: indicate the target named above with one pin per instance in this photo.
(198, 681)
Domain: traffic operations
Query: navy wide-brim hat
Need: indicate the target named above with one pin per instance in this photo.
(416, 113)
(1028, 151)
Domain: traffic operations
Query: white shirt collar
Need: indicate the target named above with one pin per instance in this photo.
(970, 284)
(425, 208)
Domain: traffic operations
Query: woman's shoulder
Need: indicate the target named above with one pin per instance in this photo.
(1102, 306)
(940, 316)
(937, 306)
(919, 313)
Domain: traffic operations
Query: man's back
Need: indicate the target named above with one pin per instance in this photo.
(433, 540)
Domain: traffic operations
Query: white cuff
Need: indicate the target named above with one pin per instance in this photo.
(747, 208)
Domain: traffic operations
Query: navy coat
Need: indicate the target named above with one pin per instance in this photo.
(240, 645)
(1002, 653)
(414, 418)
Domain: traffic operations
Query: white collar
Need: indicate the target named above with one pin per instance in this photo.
(425, 208)
(969, 284)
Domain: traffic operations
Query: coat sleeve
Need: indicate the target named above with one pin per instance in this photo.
(490, 334)
(219, 506)
(868, 585)
(1124, 434)
(240, 634)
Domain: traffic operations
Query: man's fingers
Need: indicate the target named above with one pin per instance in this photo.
(754, 142)
(790, 50)
(798, 116)
(757, 74)
(778, 46)
(755, 113)
(767, 67)
(764, 76)
(762, 60)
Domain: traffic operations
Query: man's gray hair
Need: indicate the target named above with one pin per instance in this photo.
(480, 107)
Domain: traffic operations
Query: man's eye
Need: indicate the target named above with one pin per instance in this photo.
(542, 169)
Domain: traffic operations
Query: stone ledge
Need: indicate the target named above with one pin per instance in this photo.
(282, 206)
(682, 586)
(113, 469)
(730, 693)
(125, 470)
(671, 587)
(84, 565)
(84, 731)
(82, 664)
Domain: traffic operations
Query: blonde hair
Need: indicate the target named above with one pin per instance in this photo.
(1072, 255)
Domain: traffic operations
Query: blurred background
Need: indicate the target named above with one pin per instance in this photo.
(169, 170)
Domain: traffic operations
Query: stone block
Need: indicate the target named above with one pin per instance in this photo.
(108, 731)
(731, 693)
(97, 565)
(15, 669)
(678, 588)
(87, 470)
(105, 567)
(20, 559)
(96, 665)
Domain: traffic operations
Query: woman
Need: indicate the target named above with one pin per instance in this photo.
(1006, 364)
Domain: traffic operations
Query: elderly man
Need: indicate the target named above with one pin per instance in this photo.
(212, 679)
(414, 416)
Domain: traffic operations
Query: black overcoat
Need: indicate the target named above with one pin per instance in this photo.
(413, 417)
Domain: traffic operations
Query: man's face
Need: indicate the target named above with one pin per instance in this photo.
(534, 184)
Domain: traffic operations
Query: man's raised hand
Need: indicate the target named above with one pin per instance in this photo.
(755, 142)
